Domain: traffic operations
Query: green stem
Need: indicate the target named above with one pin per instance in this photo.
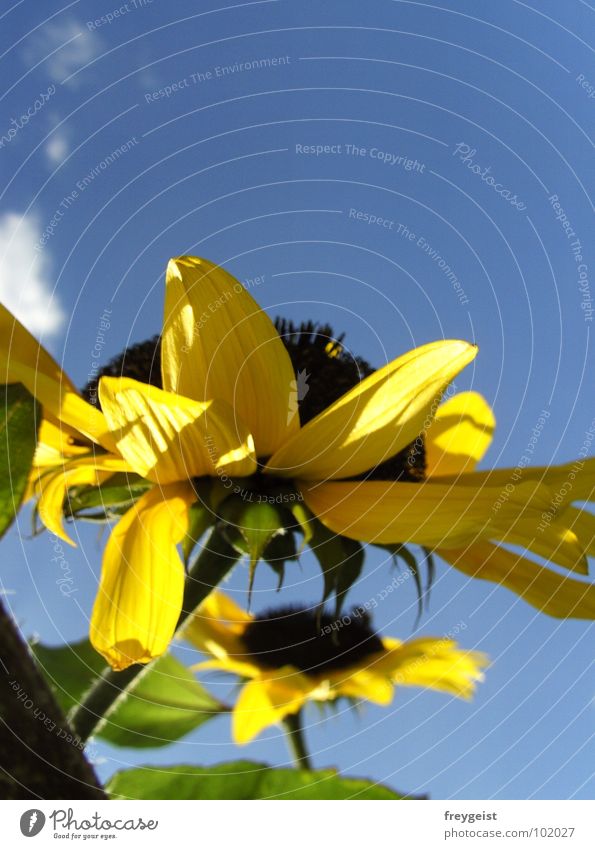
(210, 567)
(296, 740)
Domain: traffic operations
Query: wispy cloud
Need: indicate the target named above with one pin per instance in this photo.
(63, 48)
(25, 285)
(57, 147)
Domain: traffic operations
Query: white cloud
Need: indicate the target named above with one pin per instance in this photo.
(70, 44)
(24, 285)
(57, 148)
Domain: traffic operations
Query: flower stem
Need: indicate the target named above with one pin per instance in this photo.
(296, 740)
(215, 560)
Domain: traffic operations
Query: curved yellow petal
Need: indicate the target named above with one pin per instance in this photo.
(557, 595)
(459, 436)
(218, 343)
(376, 419)
(432, 514)
(559, 533)
(266, 701)
(582, 524)
(167, 438)
(55, 445)
(53, 486)
(142, 579)
(556, 543)
(434, 663)
(24, 360)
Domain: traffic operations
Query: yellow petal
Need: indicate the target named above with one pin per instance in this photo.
(581, 523)
(431, 513)
(363, 684)
(242, 669)
(167, 438)
(218, 343)
(142, 579)
(567, 483)
(219, 605)
(55, 445)
(24, 360)
(554, 594)
(266, 701)
(434, 663)
(571, 482)
(460, 435)
(53, 487)
(557, 543)
(217, 626)
(446, 514)
(375, 419)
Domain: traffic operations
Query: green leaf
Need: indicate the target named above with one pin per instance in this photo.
(402, 552)
(256, 523)
(166, 704)
(241, 780)
(348, 572)
(163, 705)
(70, 669)
(250, 527)
(20, 415)
(200, 518)
(304, 519)
(279, 550)
(431, 566)
(341, 560)
(114, 496)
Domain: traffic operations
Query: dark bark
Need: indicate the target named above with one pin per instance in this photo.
(40, 755)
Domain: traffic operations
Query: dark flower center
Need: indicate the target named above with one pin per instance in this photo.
(309, 640)
(141, 361)
(324, 372)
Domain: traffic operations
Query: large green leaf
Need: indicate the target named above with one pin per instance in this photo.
(167, 703)
(163, 705)
(70, 669)
(19, 418)
(241, 780)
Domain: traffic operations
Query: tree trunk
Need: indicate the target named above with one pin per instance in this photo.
(40, 756)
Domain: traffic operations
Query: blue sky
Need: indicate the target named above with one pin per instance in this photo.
(124, 142)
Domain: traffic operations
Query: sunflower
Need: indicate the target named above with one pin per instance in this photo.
(225, 411)
(289, 656)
